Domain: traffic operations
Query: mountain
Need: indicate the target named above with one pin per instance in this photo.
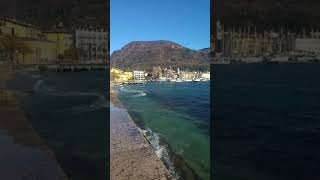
(144, 55)
(205, 52)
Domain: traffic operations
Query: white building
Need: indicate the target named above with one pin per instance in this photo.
(138, 75)
(205, 75)
(94, 44)
(308, 45)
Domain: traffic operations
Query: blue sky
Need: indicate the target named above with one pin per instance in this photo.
(186, 22)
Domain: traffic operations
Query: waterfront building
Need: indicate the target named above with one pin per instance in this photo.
(139, 75)
(170, 73)
(16, 28)
(188, 75)
(246, 41)
(30, 44)
(118, 75)
(93, 42)
(63, 39)
(205, 75)
(311, 45)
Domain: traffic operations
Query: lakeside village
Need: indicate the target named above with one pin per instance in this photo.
(24, 43)
(157, 75)
(245, 44)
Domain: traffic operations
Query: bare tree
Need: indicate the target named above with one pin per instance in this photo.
(12, 47)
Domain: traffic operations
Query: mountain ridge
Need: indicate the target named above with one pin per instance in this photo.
(144, 55)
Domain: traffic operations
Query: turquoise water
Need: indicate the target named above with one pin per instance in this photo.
(175, 118)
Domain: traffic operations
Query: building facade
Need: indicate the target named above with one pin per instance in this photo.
(118, 75)
(246, 41)
(138, 75)
(31, 46)
(63, 39)
(94, 43)
(311, 45)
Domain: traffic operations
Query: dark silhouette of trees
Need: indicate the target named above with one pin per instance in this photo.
(12, 47)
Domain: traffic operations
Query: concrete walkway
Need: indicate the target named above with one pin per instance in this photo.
(132, 157)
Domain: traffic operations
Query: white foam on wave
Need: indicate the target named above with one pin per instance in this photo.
(37, 85)
(136, 93)
(140, 94)
(100, 102)
(160, 150)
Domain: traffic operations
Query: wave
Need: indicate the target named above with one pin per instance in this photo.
(161, 150)
(36, 86)
(136, 93)
(100, 101)
(140, 94)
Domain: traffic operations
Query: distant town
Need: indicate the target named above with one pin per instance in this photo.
(245, 44)
(158, 74)
(24, 43)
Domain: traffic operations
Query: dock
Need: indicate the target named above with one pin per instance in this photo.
(132, 157)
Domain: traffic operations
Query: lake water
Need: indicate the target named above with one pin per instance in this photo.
(175, 118)
(70, 112)
(266, 121)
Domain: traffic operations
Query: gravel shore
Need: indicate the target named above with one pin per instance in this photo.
(24, 155)
(132, 157)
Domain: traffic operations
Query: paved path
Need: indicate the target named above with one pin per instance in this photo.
(132, 157)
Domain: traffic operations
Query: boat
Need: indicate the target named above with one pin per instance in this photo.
(178, 80)
(196, 80)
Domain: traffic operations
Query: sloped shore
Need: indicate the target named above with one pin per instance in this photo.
(132, 157)
(24, 155)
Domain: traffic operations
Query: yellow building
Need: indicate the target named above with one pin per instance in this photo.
(118, 75)
(42, 51)
(45, 47)
(63, 40)
(15, 28)
(18, 34)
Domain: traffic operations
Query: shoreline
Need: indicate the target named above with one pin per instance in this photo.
(25, 143)
(181, 168)
(129, 145)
